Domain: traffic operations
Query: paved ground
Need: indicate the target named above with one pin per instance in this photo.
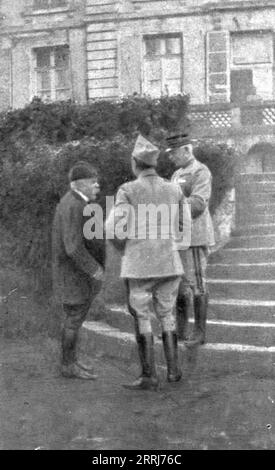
(40, 409)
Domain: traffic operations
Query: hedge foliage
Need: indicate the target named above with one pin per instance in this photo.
(38, 145)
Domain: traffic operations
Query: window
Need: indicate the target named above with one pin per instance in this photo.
(251, 66)
(251, 48)
(52, 73)
(45, 4)
(162, 65)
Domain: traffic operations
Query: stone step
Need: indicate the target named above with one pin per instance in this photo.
(256, 187)
(230, 309)
(264, 229)
(243, 255)
(218, 358)
(253, 241)
(238, 310)
(253, 218)
(252, 177)
(250, 271)
(264, 208)
(254, 197)
(257, 333)
(242, 289)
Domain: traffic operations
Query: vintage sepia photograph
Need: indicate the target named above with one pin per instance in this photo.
(137, 227)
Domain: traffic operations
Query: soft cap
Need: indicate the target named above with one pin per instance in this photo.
(145, 151)
(82, 170)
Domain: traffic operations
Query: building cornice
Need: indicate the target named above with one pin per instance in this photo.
(48, 12)
(143, 14)
(24, 31)
(181, 11)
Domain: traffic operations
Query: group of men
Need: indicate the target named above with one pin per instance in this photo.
(163, 273)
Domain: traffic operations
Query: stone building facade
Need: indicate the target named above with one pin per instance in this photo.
(220, 51)
(42, 51)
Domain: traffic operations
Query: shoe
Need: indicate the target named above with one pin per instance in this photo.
(83, 365)
(143, 383)
(73, 371)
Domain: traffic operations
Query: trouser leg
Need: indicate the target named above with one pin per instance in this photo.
(68, 343)
(75, 315)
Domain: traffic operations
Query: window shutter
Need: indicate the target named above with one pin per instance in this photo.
(217, 66)
(129, 53)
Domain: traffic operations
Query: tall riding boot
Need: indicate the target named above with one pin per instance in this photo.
(170, 346)
(200, 313)
(183, 312)
(148, 379)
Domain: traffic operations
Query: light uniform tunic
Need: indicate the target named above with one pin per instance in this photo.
(151, 267)
(196, 182)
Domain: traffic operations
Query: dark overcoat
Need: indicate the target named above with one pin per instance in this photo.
(73, 261)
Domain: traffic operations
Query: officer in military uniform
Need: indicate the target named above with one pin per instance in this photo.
(195, 180)
(151, 265)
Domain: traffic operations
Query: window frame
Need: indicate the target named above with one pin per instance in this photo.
(258, 66)
(242, 34)
(161, 56)
(52, 68)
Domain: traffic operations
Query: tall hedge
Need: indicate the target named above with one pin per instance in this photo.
(38, 145)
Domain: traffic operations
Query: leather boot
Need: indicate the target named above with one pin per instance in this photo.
(148, 379)
(200, 314)
(170, 346)
(183, 312)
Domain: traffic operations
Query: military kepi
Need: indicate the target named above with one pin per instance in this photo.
(177, 140)
(145, 151)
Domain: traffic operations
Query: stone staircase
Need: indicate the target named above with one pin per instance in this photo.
(241, 279)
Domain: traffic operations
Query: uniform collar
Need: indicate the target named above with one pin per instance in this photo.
(79, 193)
(193, 165)
(148, 172)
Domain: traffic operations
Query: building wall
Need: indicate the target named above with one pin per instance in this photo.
(127, 23)
(102, 48)
(22, 30)
(105, 38)
(5, 74)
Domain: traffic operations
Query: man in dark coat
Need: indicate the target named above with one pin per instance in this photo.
(77, 267)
